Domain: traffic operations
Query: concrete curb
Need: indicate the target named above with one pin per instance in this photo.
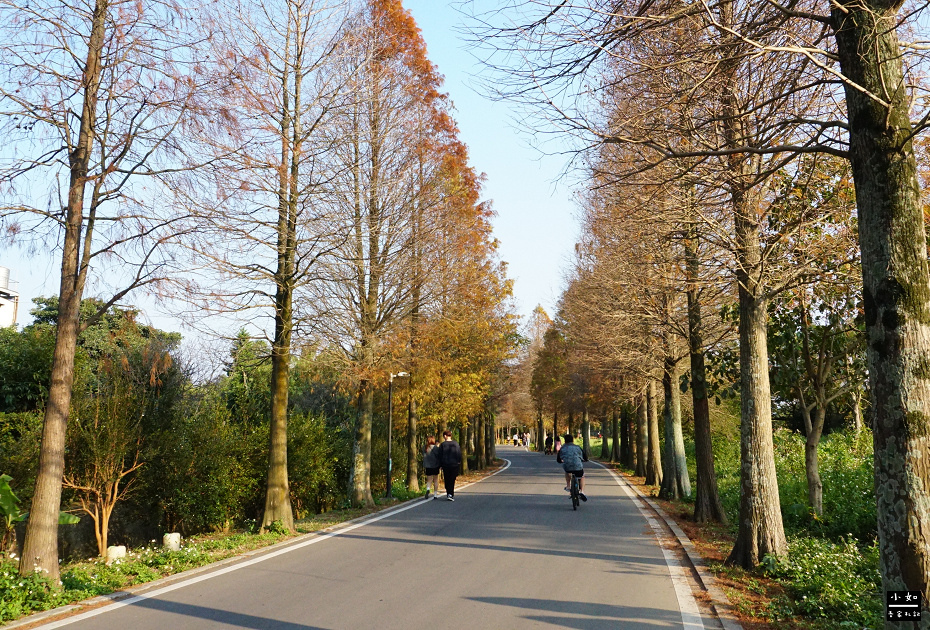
(140, 589)
(719, 600)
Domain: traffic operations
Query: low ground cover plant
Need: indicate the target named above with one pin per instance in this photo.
(835, 581)
(22, 595)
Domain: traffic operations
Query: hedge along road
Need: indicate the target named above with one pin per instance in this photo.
(509, 552)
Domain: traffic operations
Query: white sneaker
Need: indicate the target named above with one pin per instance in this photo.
(436, 496)
(449, 497)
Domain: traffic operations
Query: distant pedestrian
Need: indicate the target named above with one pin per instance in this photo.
(431, 464)
(548, 445)
(558, 444)
(450, 460)
(526, 440)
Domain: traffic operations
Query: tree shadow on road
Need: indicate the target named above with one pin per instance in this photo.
(585, 615)
(236, 619)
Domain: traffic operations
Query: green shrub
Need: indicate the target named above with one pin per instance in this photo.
(846, 473)
(318, 456)
(848, 490)
(835, 581)
(726, 465)
(20, 435)
(847, 469)
(209, 472)
(25, 367)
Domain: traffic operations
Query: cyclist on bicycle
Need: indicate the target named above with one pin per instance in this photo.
(571, 457)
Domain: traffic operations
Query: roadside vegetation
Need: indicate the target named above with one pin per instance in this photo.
(191, 457)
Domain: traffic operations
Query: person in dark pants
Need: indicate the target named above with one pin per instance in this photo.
(450, 460)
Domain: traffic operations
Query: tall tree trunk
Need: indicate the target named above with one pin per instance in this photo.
(606, 432)
(466, 446)
(479, 441)
(360, 473)
(586, 431)
(40, 548)
(488, 438)
(571, 423)
(620, 438)
(676, 482)
(707, 505)
(277, 493)
(896, 292)
(540, 432)
(555, 423)
(642, 435)
(633, 429)
(812, 468)
(416, 294)
(413, 477)
(654, 447)
(760, 524)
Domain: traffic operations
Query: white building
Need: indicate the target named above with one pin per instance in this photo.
(9, 300)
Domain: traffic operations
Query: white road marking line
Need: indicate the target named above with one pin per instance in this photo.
(690, 613)
(274, 554)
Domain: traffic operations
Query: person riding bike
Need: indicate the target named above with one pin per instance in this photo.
(571, 457)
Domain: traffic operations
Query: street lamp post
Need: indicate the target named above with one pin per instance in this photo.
(390, 463)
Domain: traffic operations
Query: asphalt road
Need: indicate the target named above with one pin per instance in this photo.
(509, 553)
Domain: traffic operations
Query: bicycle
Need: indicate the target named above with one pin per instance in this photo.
(575, 492)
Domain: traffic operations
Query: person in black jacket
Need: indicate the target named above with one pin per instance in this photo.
(450, 460)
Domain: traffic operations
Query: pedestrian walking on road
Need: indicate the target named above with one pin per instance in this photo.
(450, 460)
(558, 444)
(431, 464)
(548, 445)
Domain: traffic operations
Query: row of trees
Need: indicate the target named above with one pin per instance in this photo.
(291, 164)
(727, 116)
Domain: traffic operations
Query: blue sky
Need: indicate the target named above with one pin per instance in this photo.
(535, 224)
